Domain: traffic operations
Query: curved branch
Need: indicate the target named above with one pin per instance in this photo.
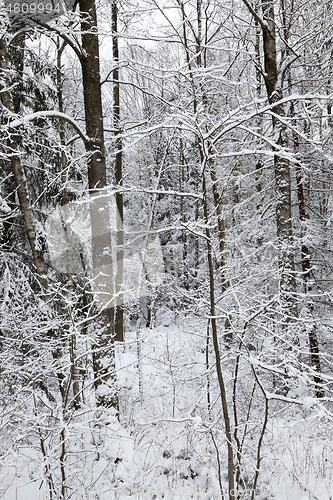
(75, 46)
(50, 114)
(256, 16)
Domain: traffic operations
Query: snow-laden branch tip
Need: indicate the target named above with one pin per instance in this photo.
(50, 114)
(164, 192)
(231, 121)
(196, 420)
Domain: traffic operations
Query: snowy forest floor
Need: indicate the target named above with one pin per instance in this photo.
(166, 445)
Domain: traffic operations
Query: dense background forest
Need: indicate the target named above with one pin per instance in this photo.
(166, 250)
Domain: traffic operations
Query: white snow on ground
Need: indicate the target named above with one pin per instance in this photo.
(162, 448)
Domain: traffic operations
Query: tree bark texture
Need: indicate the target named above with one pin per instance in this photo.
(119, 315)
(281, 167)
(103, 350)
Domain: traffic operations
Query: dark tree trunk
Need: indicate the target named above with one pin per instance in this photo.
(17, 60)
(306, 273)
(281, 168)
(220, 378)
(119, 316)
(182, 179)
(103, 350)
(281, 165)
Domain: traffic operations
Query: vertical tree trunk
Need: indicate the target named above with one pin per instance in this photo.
(306, 274)
(119, 315)
(259, 163)
(223, 394)
(306, 271)
(181, 180)
(202, 63)
(17, 54)
(281, 169)
(103, 350)
(287, 284)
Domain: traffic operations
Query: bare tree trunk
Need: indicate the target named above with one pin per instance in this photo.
(221, 236)
(221, 224)
(305, 251)
(181, 179)
(103, 350)
(119, 315)
(223, 394)
(201, 60)
(281, 168)
(18, 61)
(306, 271)
(287, 284)
(306, 274)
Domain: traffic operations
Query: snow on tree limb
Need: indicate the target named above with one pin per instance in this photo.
(50, 114)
